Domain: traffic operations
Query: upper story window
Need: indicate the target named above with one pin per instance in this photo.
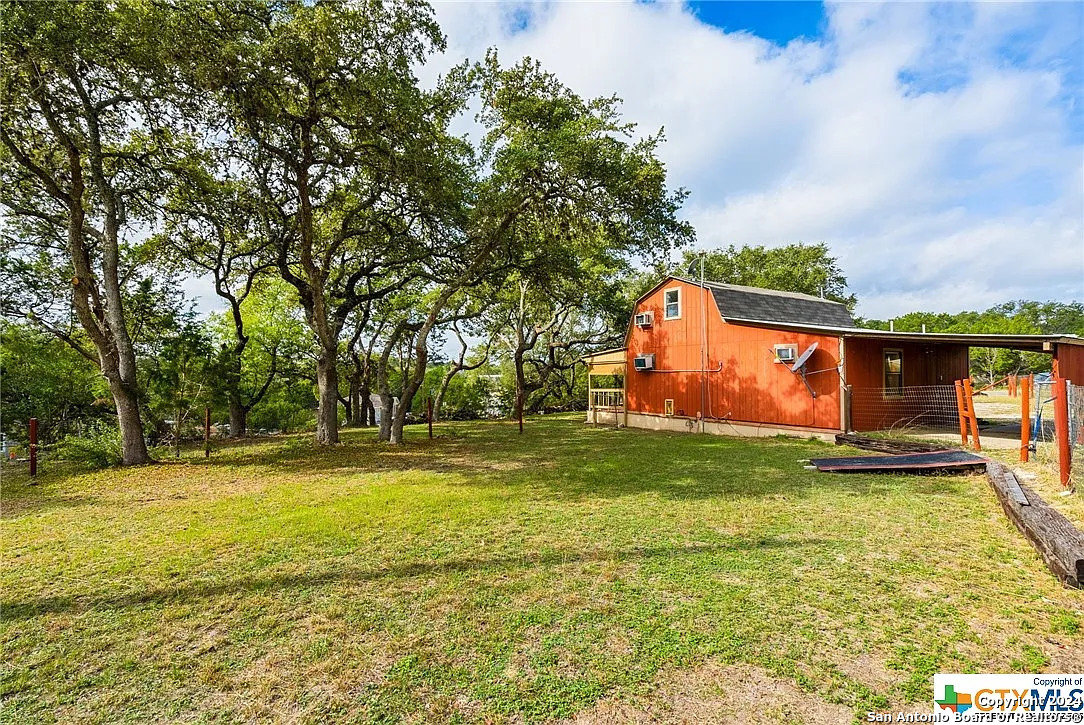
(893, 364)
(672, 303)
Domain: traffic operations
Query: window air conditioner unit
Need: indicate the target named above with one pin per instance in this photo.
(645, 319)
(644, 362)
(786, 353)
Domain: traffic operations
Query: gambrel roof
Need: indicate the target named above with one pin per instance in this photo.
(738, 303)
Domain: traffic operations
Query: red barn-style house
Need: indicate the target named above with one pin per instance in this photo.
(736, 360)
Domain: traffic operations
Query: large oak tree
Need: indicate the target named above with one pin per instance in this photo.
(87, 128)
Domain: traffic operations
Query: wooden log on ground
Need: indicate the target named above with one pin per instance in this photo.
(887, 445)
(1058, 541)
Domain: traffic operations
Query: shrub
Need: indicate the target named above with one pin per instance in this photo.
(98, 446)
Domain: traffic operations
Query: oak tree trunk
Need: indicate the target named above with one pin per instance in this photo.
(238, 416)
(356, 406)
(387, 407)
(133, 446)
(327, 414)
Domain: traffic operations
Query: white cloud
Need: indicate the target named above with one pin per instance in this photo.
(935, 149)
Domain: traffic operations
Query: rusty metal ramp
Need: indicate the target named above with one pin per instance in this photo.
(952, 459)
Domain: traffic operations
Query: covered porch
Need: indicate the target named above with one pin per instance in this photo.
(606, 387)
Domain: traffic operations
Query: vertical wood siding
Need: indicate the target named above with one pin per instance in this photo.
(924, 364)
(751, 387)
(1069, 362)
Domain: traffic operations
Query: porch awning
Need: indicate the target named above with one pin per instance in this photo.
(606, 362)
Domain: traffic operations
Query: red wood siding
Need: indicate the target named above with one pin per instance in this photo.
(750, 387)
(924, 364)
(1069, 362)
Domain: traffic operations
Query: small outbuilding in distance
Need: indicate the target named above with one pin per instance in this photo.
(736, 360)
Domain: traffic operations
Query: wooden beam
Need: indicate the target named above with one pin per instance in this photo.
(961, 411)
(1059, 543)
(1061, 429)
(886, 445)
(969, 394)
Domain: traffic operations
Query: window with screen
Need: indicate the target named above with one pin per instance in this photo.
(672, 301)
(893, 364)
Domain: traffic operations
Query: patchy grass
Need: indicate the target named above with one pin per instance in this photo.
(488, 576)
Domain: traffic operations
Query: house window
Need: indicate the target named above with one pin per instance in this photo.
(893, 364)
(668, 406)
(672, 302)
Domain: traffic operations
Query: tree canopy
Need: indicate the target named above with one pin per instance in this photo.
(363, 256)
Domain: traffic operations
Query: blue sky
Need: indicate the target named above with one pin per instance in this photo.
(780, 22)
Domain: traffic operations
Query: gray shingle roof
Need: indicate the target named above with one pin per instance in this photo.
(738, 302)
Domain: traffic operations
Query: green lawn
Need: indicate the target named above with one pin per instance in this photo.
(490, 576)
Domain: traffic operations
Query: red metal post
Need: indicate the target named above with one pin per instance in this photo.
(429, 403)
(1025, 417)
(33, 447)
(961, 411)
(206, 432)
(969, 393)
(1061, 428)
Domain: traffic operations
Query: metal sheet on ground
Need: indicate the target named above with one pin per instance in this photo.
(906, 462)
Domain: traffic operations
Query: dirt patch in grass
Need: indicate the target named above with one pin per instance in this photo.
(740, 694)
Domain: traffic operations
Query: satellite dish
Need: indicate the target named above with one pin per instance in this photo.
(799, 367)
(804, 357)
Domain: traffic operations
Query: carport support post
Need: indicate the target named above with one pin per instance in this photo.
(1061, 428)
(1025, 417)
(970, 394)
(961, 411)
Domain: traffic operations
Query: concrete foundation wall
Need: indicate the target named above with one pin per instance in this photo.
(680, 424)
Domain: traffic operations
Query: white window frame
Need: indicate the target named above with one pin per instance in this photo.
(666, 306)
(884, 372)
(668, 407)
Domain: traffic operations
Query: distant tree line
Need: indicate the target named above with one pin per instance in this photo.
(1021, 317)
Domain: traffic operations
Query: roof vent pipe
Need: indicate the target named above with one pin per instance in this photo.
(923, 328)
(891, 325)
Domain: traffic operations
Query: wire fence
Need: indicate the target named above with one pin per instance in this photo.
(913, 408)
(1041, 422)
(1076, 431)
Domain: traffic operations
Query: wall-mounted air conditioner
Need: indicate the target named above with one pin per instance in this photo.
(786, 353)
(644, 362)
(645, 319)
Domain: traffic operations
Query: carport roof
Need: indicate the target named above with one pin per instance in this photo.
(1034, 343)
